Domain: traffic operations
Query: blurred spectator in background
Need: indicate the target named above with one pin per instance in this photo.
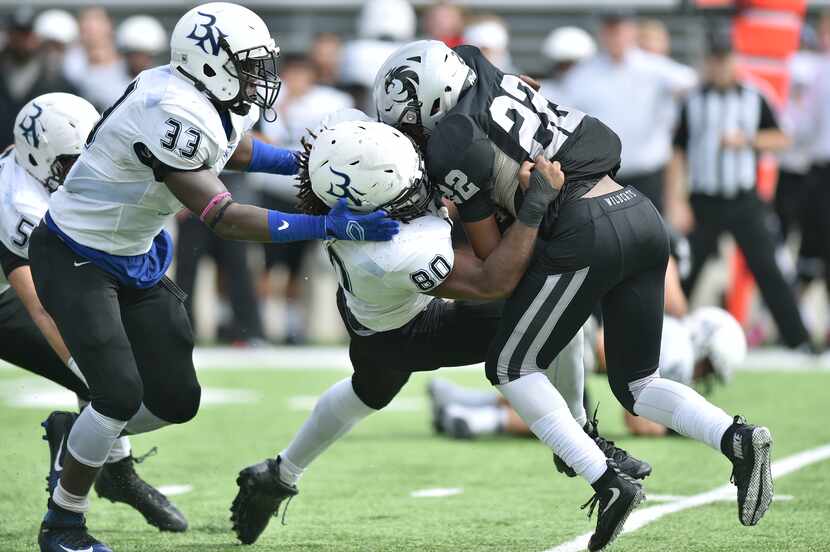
(95, 67)
(141, 40)
(325, 54)
(653, 37)
(241, 324)
(633, 92)
(490, 34)
(723, 125)
(382, 27)
(57, 30)
(301, 106)
(794, 187)
(444, 21)
(24, 71)
(563, 48)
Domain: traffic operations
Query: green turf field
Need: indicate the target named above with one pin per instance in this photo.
(357, 496)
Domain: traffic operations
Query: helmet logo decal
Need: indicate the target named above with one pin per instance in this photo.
(209, 40)
(401, 84)
(344, 190)
(27, 125)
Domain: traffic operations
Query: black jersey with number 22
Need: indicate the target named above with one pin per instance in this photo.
(475, 151)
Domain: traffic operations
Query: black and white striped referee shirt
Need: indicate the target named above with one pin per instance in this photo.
(707, 115)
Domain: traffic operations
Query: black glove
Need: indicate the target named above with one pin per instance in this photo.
(538, 196)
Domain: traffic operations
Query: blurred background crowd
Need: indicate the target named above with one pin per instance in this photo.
(645, 74)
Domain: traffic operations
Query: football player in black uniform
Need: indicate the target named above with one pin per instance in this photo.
(600, 243)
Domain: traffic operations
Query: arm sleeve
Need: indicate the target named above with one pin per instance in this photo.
(9, 261)
(768, 119)
(681, 132)
(460, 161)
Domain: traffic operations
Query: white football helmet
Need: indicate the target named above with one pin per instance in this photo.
(49, 134)
(718, 337)
(56, 26)
(419, 83)
(387, 19)
(371, 165)
(227, 52)
(141, 33)
(568, 44)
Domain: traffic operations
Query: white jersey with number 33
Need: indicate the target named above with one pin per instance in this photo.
(111, 200)
(385, 282)
(23, 202)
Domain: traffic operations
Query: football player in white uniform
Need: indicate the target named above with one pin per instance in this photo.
(387, 296)
(29, 172)
(99, 257)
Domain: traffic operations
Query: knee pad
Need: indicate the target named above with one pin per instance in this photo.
(118, 397)
(92, 437)
(376, 393)
(178, 406)
(627, 392)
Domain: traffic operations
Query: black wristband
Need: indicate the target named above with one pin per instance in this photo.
(537, 198)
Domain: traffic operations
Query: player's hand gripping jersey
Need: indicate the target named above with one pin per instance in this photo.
(114, 199)
(475, 151)
(23, 201)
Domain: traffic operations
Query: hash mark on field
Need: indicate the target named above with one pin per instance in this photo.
(436, 493)
(175, 490)
(641, 518)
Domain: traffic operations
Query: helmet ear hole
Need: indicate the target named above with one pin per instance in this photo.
(208, 70)
(32, 160)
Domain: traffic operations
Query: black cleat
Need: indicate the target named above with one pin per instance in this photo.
(58, 537)
(625, 463)
(57, 426)
(748, 447)
(119, 482)
(261, 491)
(615, 501)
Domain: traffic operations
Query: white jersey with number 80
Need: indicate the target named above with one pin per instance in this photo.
(385, 282)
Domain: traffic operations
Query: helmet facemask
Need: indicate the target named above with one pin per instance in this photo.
(414, 201)
(58, 170)
(259, 83)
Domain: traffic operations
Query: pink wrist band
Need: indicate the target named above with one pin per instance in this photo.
(216, 199)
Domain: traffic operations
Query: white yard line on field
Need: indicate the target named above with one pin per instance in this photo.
(641, 518)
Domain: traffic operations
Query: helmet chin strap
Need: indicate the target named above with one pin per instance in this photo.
(236, 105)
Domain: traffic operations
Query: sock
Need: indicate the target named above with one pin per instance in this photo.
(542, 408)
(567, 374)
(336, 412)
(57, 517)
(120, 450)
(447, 392)
(68, 501)
(681, 408)
(482, 420)
(92, 437)
(144, 421)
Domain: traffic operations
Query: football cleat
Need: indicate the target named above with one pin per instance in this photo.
(625, 463)
(261, 491)
(748, 447)
(57, 426)
(66, 532)
(614, 502)
(119, 482)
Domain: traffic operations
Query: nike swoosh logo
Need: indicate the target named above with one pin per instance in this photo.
(284, 225)
(75, 550)
(77, 264)
(615, 494)
(57, 464)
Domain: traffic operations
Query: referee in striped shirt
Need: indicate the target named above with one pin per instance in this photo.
(723, 125)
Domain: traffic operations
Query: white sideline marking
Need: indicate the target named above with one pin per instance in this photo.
(337, 358)
(640, 518)
(672, 498)
(37, 393)
(305, 403)
(436, 493)
(175, 490)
